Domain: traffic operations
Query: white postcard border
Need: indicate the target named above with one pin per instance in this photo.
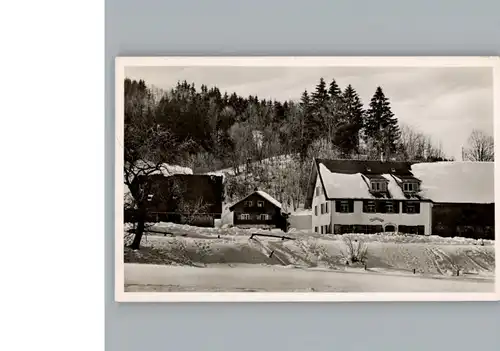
(288, 61)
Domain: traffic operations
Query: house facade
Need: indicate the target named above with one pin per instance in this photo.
(181, 198)
(258, 210)
(348, 196)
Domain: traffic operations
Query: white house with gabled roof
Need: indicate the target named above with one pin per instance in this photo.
(348, 196)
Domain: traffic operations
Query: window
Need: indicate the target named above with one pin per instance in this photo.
(370, 207)
(326, 207)
(322, 208)
(265, 217)
(260, 203)
(322, 229)
(379, 186)
(150, 197)
(315, 210)
(389, 207)
(368, 169)
(315, 229)
(410, 187)
(344, 206)
(393, 170)
(248, 203)
(245, 216)
(411, 207)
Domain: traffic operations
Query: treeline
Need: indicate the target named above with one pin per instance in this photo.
(266, 143)
(228, 130)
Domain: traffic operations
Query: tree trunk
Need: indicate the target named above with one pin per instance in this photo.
(136, 244)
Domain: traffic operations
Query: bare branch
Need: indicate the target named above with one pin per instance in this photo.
(480, 147)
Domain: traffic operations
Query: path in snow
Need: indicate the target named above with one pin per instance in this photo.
(144, 277)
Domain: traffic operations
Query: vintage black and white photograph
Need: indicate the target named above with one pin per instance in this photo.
(356, 177)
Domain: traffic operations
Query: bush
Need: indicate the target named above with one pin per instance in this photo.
(356, 252)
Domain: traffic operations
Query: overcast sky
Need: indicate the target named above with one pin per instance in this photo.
(445, 103)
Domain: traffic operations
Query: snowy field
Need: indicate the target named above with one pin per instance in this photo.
(184, 258)
(261, 278)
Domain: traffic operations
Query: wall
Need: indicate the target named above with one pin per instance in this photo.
(320, 219)
(301, 222)
(467, 220)
(361, 218)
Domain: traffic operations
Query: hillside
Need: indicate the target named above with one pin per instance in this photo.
(283, 177)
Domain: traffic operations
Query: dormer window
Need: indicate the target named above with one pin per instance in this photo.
(410, 187)
(378, 186)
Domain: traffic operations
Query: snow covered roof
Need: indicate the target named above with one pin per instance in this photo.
(340, 185)
(356, 186)
(301, 212)
(143, 167)
(165, 169)
(264, 195)
(457, 182)
(218, 174)
(445, 182)
(269, 198)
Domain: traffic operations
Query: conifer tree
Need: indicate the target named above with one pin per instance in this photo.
(334, 90)
(350, 121)
(310, 126)
(320, 95)
(381, 126)
(305, 101)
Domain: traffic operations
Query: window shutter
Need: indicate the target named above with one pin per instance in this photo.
(351, 206)
(403, 209)
(326, 207)
(337, 206)
(315, 210)
(365, 206)
(417, 207)
(396, 206)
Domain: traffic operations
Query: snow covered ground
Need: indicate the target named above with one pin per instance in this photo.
(251, 278)
(226, 258)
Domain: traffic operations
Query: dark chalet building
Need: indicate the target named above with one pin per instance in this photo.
(182, 198)
(259, 210)
(463, 195)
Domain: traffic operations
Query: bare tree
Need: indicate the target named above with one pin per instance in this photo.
(416, 146)
(191, 210)
(322, 148)
(243, 144)
(148, 147)
(480, 147)
(356, 251)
